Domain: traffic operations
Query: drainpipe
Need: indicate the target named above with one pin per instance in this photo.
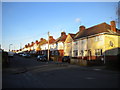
(104, 51)
(88, 50)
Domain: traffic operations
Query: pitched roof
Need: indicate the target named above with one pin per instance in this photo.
(51, 40)
(61, 38)
(44, 41)
(100, 28)
(72, 35)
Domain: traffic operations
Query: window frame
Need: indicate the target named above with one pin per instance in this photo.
(98, 52)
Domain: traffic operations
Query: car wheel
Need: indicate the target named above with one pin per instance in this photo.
(62, 60)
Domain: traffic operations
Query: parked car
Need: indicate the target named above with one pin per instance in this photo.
(20, 54)
(41, 58)
(10, 54)
(27, 55)
(23, 55)
(66, 59)
(50, 59)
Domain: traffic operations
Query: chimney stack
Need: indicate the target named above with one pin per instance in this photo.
(50, 37)
(113, 26)
(63, 33)
(81, 28)
(36, 41)
(41, 39)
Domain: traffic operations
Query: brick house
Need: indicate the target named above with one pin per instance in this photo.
(58, 51)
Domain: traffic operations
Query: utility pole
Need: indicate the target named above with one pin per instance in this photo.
(48, 46)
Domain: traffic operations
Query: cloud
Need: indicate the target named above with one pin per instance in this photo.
(77, 20)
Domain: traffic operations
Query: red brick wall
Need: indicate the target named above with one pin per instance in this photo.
(61, 52)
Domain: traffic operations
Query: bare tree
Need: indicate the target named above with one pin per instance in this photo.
(118, 14)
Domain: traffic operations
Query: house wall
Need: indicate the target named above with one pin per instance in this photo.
(68, 46)
(82, 47)
(96, 47)
(25, 49)
(95, 43)
(32, 47)
(68, 49)
(74, 48)
(35, 46)
(57, 51)
(29, 48)
(44, 47)
(60, 46)
(111, 45)
(68, 39)
(53, 47)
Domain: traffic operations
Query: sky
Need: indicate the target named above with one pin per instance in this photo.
(24, 22)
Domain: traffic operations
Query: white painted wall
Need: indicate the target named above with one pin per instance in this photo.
(82, 46)
(60, 46)
(74, 47)
(68, 49)
(53, 47)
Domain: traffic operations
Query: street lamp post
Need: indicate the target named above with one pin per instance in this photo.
(0, 46)
(9, 46)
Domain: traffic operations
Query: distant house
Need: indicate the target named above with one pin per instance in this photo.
(68, 44)
(32, 49)
(58, 45)
(42, 46)
(29, 47)
(99, 42)
(52, 46)
(36, 46)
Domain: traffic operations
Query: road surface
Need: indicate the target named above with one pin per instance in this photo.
(29, 73)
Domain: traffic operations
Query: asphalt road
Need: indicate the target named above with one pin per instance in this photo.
(29, 73)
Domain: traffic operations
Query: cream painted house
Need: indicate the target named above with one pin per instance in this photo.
(97, 42)
(68, 45)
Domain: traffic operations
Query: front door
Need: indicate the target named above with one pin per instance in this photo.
(89, 54)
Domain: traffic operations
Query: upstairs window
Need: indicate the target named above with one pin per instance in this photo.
(98, 38)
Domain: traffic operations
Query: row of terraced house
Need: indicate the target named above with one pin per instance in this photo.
(99, 42)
